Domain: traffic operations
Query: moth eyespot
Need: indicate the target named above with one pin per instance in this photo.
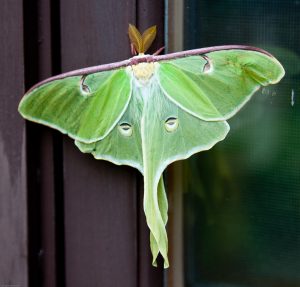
(125, 129)
(171, 124)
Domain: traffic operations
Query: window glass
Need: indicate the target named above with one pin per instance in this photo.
(242, 198)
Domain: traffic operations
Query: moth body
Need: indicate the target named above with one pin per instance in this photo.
(143, 72)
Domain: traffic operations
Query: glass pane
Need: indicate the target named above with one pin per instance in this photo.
(242, 200)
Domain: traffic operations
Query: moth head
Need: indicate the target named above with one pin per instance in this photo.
(143, 72)
(140, 43)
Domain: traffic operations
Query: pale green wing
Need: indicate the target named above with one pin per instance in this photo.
(215, 86)
(123, 144)
(84, 107)
(161, 133)
(169, 134)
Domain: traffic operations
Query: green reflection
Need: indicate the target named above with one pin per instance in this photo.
(242, 200)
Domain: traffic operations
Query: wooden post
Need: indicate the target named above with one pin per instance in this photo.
(13, 194)
(67, 219)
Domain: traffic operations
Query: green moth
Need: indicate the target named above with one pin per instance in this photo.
(151, 110)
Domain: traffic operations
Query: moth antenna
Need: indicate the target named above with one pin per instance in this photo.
(159, 51)
(148, 37)
(135, 38)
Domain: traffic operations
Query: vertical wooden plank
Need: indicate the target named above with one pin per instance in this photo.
(100, 198)
(152, 13)
(13, 208)
(41, 199)
(47, 202)
(47, 185)
(32, 146)
(149, 13)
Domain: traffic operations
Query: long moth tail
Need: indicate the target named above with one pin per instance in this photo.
(156, 211)
(163, 207)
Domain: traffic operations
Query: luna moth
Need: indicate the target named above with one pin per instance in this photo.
(151, 110)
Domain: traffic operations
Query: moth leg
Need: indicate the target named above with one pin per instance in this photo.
(85, 88)
(208, 64)
(159, 51)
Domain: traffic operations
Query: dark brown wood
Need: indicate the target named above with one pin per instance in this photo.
(100, 221)
(13, 208)
(40, 176)
(100, 198)
(83, 223)
(47, 185)
(152, 13)
(48, 216)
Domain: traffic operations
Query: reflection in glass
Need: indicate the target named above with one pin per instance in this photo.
(242, 200)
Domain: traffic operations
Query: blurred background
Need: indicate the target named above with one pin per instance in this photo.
(240, 201)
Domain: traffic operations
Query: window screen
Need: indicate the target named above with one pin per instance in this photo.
(242, 199)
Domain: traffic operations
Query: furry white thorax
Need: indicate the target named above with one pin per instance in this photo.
(142, 72)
